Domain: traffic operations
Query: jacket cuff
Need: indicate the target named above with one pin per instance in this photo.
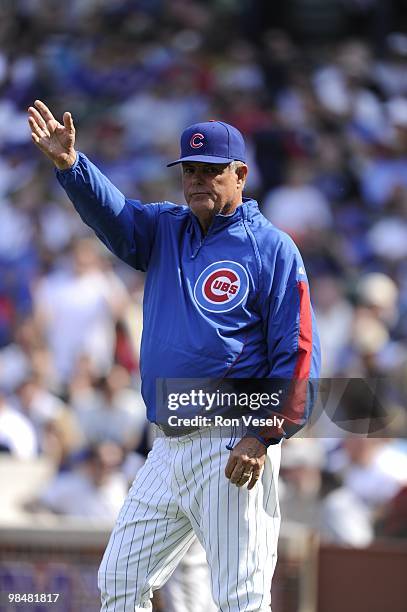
(267, 442)
(58, 172)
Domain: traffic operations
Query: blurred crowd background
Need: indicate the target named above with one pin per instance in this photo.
(318, 88)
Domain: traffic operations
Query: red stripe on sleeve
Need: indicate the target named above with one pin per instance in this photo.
(295, 404)
(303, 366)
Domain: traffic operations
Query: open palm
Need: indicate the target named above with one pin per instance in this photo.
(55, 139)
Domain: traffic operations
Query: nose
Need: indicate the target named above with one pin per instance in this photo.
(199, 177)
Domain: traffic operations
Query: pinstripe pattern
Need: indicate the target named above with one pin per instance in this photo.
(218, 544)
(122, 519)
(238, 539)
(228, 536)
(247, 547)
(182, 491)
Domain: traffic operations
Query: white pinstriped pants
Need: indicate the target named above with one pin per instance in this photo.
(181, 491)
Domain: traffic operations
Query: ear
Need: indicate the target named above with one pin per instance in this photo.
(241, 172)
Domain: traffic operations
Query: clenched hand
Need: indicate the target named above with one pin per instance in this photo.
(55, 139)
(246, 462)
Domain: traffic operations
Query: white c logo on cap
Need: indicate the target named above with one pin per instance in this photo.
(194, 142)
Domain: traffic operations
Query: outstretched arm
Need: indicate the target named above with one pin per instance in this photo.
(54, 139)
(126, 227)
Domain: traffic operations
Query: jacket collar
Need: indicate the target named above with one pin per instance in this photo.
(244, 211)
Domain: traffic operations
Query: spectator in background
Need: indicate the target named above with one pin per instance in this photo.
(390, 72)
(344, 518)
(17, 358)
(95, 488)
(17, 434)
(297, 207)
(379, 293)
(77, 310)
(383, 175)
(374, 469)
(57, 427)
(301, 463)
(335, 317)
(117, 412)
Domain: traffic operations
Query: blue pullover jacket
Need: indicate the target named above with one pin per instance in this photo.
(232, 303)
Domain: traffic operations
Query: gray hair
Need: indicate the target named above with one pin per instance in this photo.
(235, 164)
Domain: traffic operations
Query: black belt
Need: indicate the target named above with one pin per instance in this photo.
(176, 432)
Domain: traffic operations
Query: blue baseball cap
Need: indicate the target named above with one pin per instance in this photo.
(212, 142)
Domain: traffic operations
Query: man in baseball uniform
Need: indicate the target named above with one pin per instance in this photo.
(226, 296)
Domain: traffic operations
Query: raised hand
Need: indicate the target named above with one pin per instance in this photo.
(54, 139)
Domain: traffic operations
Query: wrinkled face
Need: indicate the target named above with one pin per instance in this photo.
(210, 188)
